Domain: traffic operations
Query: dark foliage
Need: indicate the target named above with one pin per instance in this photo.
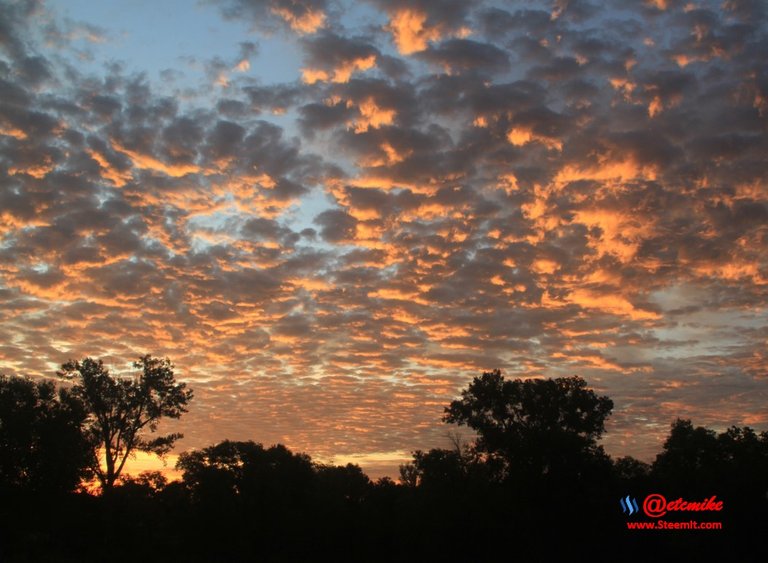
(242, 502)
(42, 449)
(122, 411)
(536, 427)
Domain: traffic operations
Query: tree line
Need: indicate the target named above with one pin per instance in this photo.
(535, 485)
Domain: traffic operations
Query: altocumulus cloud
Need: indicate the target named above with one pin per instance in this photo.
(545, 187)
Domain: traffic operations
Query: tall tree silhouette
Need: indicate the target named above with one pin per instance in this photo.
(42, 447)
(122, 411)
(536, 426)
(698, 459)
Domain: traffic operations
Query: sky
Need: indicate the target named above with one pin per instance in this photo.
(332, 215)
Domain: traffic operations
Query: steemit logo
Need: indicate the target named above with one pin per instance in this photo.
(629, 505)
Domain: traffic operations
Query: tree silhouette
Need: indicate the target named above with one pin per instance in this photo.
(631, 470)
(248, 471)
(342, 483)
(536, 426)
(121, 411)
(438, 468)
(744, 454)
(688, 453)
(42, 447)
(696, 458)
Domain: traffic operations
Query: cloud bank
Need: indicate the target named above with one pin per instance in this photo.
(550, 188)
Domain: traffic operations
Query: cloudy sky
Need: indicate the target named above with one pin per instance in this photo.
(331, 215)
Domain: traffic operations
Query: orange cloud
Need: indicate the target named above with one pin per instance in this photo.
(60, 292)
(341, 74)
(593, 360)
(398, 295)
(609, 303)
(410, 32)
(520, 136)
(607, 168)
(538, 211)
(447, 362)
(118, 178)
(309, 22)
(147, 162)
(544, 266)
(38, 171)
(735, 270)
(655, 107)
(622, 232)
(372, 116)
(387, 183)
(14, 132)
(403, 316)
(310, 75)
(310, 284)
(623, 85)
(657, 104)
(389, 157)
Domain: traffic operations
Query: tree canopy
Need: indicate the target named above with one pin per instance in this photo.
(122, 412)
(42, 448)
(537, 426)
(696, 458)
(248, 470)
(535, 462)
